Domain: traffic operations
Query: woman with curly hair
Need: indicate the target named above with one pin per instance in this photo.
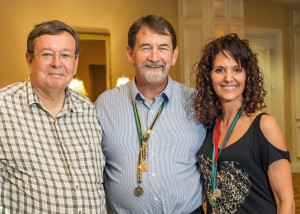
(244, 162)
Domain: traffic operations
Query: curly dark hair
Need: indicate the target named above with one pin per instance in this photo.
(206, 102)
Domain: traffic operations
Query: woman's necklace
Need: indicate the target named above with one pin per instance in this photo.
(216, 192)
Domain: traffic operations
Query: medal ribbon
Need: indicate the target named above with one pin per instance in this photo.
(217, 136)
(216, 151)
(143, 140)
(138, 120)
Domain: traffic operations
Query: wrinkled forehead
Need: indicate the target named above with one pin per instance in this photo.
(148, 35)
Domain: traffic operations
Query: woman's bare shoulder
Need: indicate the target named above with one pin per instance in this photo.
(272, 131)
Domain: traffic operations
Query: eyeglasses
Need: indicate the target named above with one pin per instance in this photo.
(49, 56)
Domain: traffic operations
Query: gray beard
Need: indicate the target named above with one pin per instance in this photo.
(153, 76)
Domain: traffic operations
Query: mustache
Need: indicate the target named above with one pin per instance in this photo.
(154, 64)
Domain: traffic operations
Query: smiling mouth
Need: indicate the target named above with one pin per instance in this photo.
(154, 66)
(229, 87)
(55, 74)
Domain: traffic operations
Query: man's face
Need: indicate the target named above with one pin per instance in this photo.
(54, 63)
(152, 56)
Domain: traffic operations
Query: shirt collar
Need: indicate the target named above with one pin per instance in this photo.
(30, 98)
(136, 94)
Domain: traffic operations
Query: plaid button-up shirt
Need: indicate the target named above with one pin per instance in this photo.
(49, 165)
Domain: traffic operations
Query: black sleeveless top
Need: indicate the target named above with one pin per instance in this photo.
(242, 172)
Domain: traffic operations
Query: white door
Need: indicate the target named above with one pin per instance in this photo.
(268, 44)
(262, 47)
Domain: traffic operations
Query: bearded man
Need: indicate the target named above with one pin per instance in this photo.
(150, 139)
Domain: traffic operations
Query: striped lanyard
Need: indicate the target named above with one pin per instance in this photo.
(142, 165)
(138, 121)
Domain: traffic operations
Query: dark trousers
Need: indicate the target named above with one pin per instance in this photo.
(199, 210)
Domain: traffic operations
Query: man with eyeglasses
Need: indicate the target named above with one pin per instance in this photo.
(51, 159)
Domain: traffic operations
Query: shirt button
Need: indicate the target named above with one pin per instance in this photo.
(77, 187)
(153, 174)
(155, 198)
(152, 153)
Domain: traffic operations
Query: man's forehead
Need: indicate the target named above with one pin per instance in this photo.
(146, 29)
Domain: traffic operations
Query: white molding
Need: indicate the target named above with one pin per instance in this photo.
(296, 67)
(294, 14)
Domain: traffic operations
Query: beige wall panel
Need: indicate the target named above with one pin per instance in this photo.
(193, 38)
(236, 10)
(194, 29)
(220, 8)
(192, 9)
(114, 17)
(298, 144)
(295, 86)
(297, 75)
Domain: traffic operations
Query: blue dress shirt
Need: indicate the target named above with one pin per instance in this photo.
(172, 182)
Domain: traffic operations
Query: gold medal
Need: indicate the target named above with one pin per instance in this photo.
(144, 166)
(138, 191)
(217, 193)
